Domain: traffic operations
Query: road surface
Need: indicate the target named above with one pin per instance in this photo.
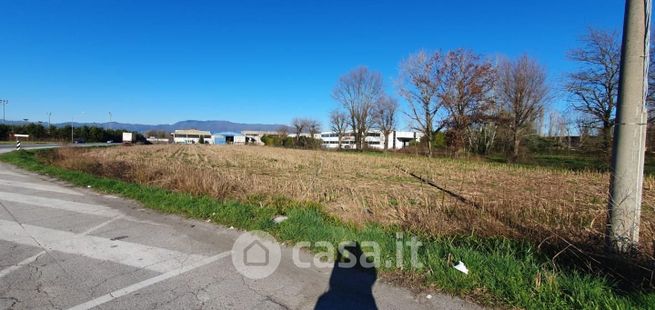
(63, 247)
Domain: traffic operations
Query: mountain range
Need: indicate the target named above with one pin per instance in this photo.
(213, 126)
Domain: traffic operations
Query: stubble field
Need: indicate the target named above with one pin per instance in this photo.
(429, 196)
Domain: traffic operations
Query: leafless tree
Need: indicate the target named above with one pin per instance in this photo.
(283, 131)
(522, 91)
(385, 117)
(300, 125)
(338, 124)
(466, 92)
(313, 127)
(358, 91)
(419, 80)
(594, 87)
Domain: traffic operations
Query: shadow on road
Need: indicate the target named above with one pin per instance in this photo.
(350, 287)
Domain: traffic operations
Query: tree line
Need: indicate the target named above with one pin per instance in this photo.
(477, 105)
(39, 132)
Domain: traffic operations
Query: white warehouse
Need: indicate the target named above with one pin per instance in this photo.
(374, 139)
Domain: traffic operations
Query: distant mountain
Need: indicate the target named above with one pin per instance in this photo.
(213, 126)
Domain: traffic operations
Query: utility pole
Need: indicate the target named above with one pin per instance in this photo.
(4, 103)
(49, 115)
(72, 130)
(627, 173)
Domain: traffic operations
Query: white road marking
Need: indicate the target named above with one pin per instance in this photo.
(13, 174)
(145, 283)
(122, 252)
(22, 263)
(40, 187)
(31, 259)
(60, 204)
(101, 225)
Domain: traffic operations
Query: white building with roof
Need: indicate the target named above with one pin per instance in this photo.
(374, 139)
(191, 136)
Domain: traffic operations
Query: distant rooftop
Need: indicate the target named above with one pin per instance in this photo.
(190, 132)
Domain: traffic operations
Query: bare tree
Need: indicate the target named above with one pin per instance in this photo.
(522, 92)
(338, 124)
(419, 80)
(385, 117)
(313, 127)
(466, 92)
(594, 87)
(358, 91)
(300, 125)
(283, 131)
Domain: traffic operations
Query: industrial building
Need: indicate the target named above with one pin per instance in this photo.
(191, 136)
(255, 136)
(374, 139)
(228, 138)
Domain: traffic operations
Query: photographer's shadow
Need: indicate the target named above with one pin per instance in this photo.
(351, 284)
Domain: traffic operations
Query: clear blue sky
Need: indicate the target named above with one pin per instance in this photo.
(252, 61)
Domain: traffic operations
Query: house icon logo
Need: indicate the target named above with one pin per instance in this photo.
(256, 254)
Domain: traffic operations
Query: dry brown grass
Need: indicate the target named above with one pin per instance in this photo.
(526, 203)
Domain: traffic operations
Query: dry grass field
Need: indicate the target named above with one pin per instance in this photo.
(484, 199)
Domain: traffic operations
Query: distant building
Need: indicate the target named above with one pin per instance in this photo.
(374, 139)
(191, 136)
(155, 140)
(305, 134)
(255, 137)
(228, 138)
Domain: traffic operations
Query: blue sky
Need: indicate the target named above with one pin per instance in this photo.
(252, 61)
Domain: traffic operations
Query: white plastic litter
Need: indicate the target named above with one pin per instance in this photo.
(231, 227)
(429, 296)
(461, 267)
(280, 219)
(88, 186)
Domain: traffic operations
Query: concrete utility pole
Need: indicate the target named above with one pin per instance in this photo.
(4, 103)
(630, 130)
(72, 130)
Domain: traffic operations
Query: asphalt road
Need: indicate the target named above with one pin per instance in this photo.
(63, 247)
(4, 148)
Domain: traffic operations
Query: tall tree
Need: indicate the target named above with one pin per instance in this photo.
(522, 92)
(465, 92)
(358, 91)
(313, 127)
(594, 87)
(300, 125)
(419, 80)
(338, 124)
(385, 117)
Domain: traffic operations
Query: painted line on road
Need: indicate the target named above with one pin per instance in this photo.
(101, 225)
(117, 251)
(31, 259)
(13, 174)
(59, 204)
(22, 263)
(145, 283)
(40, 187)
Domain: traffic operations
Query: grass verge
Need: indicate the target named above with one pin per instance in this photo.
(504, 272)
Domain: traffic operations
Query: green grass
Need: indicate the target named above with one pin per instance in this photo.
(571, 161)
(502, 271)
